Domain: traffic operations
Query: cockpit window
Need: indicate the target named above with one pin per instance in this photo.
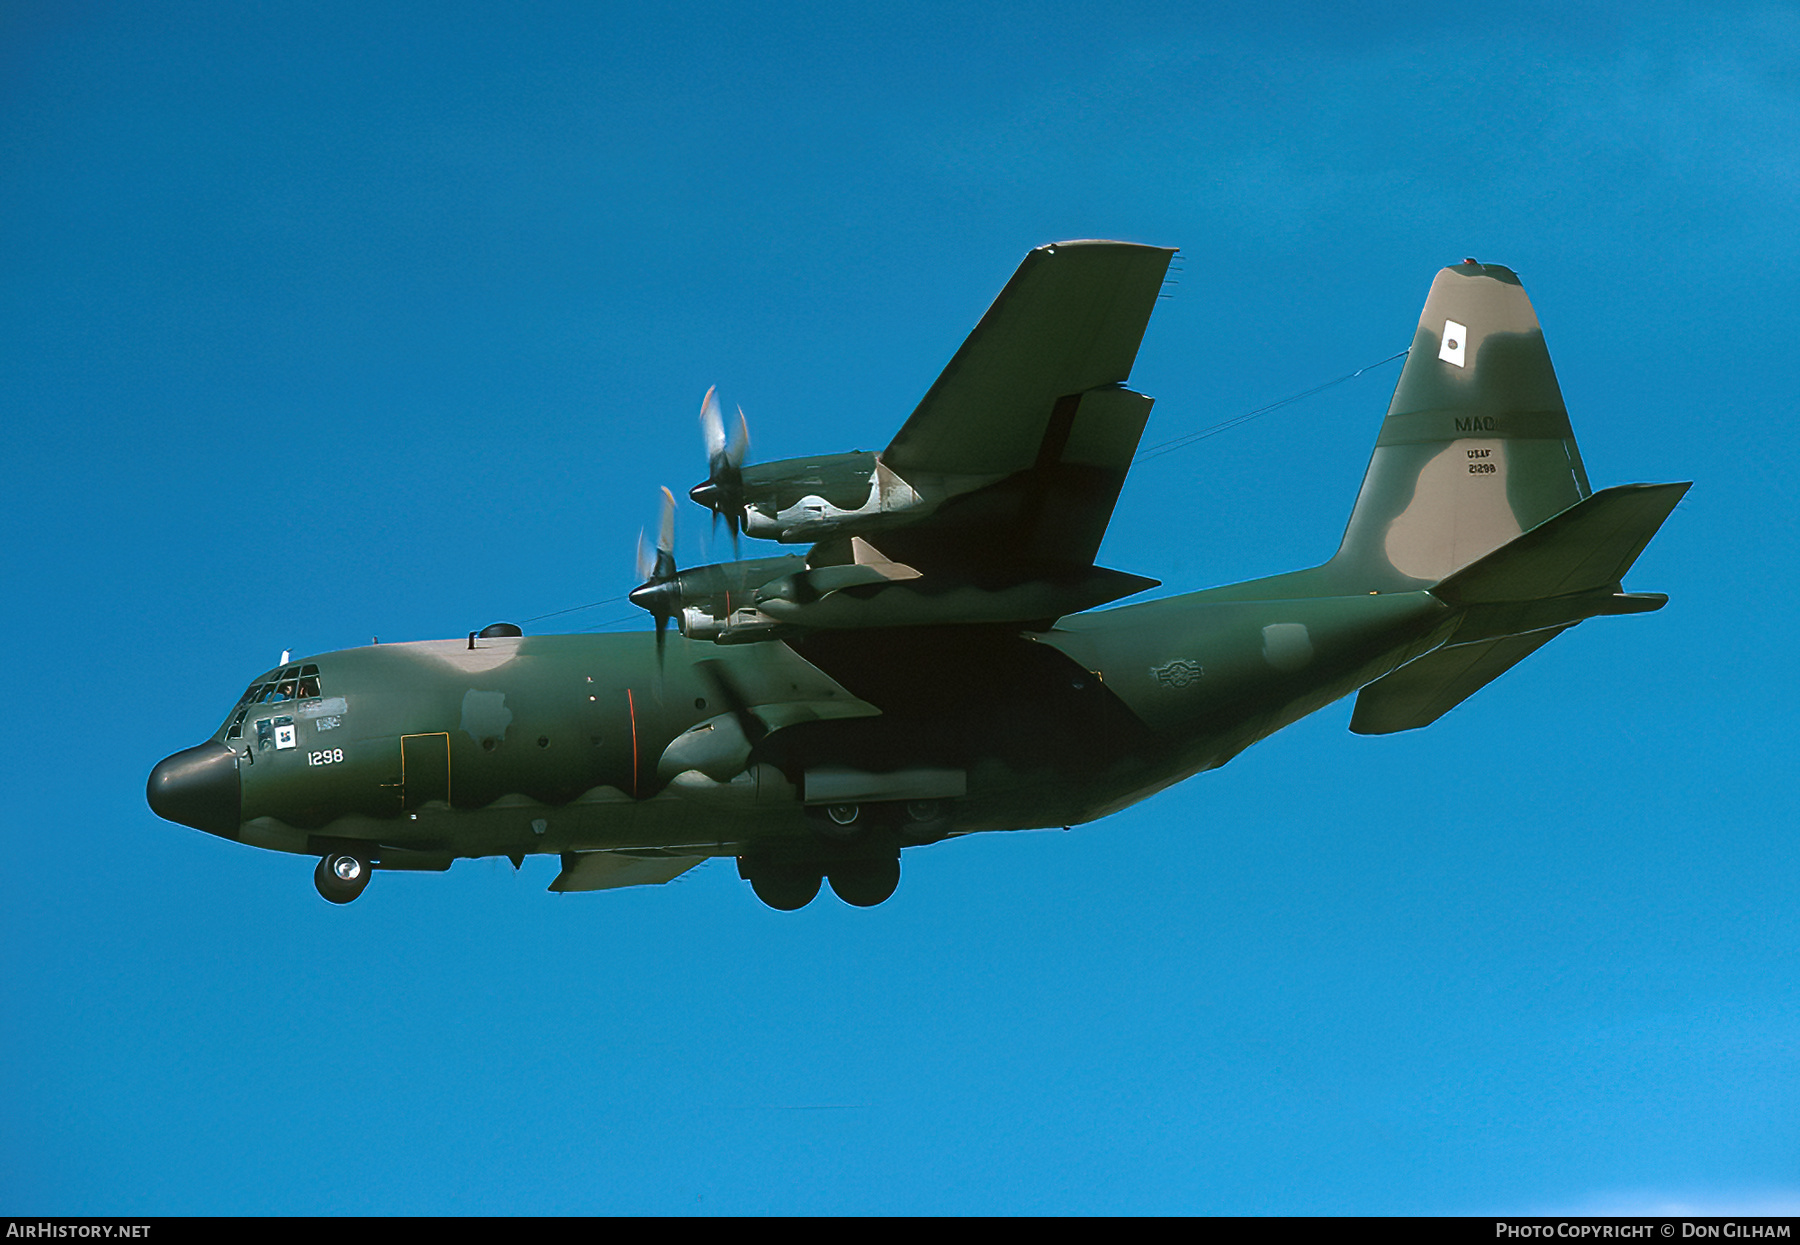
(275, 687)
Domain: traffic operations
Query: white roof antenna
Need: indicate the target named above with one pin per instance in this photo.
(285, 654)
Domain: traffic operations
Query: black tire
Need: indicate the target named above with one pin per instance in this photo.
(866, 882)
(840, 822)
(341, 876)
(924, 821)
(784, 887)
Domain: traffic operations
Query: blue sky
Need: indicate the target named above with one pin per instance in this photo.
(338, 321)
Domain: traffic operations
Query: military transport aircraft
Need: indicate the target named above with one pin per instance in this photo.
(926, 668)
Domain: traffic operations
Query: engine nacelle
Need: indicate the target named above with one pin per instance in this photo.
(741, 626)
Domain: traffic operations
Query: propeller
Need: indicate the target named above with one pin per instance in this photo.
(660, 593)
(723, 491)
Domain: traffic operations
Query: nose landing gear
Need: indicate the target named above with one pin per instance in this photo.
(341, 876)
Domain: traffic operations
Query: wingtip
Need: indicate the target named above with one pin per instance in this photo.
(1050, 248)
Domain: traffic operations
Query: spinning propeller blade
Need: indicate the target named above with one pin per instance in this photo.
(659, 594)
(723, 491)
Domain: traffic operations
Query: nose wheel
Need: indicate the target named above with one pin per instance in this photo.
(341, 876)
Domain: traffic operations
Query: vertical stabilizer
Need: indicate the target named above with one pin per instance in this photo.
(1476, 447)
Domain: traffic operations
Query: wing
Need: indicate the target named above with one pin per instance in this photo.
(990, 503)
(1029, 431)
(1070, 320)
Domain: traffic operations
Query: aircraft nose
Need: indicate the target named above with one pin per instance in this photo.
(199, 787)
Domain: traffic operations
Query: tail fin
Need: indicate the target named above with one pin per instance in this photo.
(1476, 447)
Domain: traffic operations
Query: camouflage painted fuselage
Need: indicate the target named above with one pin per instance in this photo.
(554, 743)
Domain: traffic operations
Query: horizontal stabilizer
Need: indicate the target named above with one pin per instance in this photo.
(1422, 691)
(601, 871)
(1520, 597)
(1502, 618)
(1587, 547)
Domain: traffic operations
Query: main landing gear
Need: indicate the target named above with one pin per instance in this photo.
(911, 821)
(788, 885)
(341, 876)
(784, 885)
(854, 847)
(865, 883)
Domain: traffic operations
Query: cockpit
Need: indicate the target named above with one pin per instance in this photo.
(290, 683)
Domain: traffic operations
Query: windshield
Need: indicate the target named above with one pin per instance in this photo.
(285, 684)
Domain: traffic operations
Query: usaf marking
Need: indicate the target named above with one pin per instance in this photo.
(1178, 673)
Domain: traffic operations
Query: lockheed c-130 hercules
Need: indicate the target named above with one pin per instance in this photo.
(927, 667)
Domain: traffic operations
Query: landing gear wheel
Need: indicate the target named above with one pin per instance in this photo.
(341, 876)
(839, 821)
(786, 888)
(866, 882)
(924, 821)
